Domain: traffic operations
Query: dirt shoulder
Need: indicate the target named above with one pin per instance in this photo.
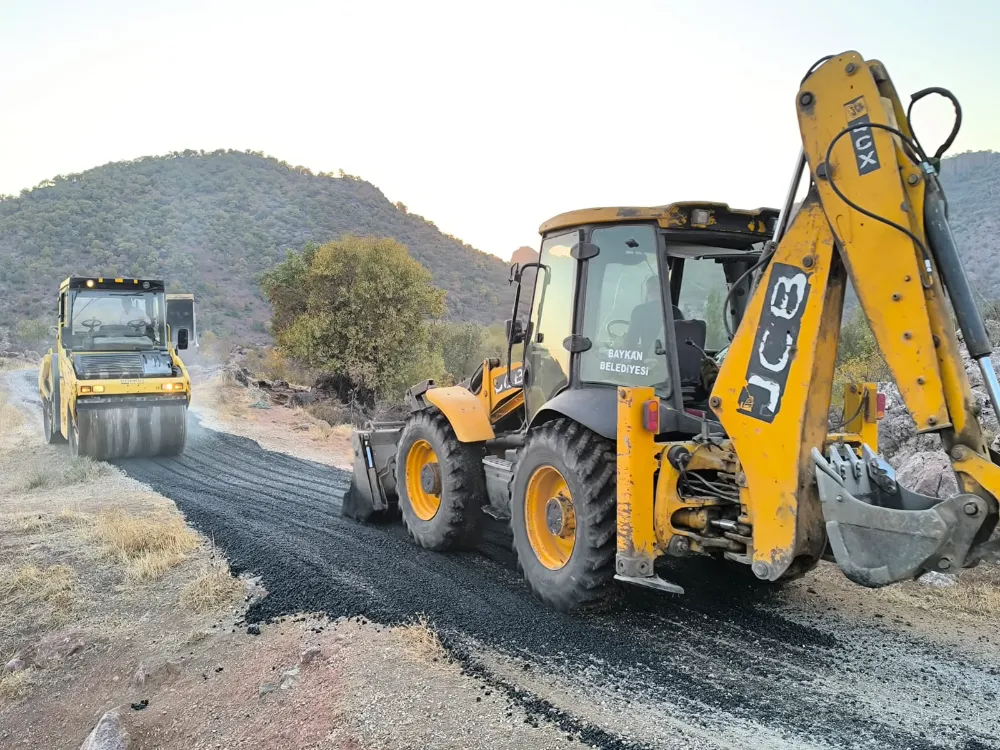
(224, 405)
(112, 602)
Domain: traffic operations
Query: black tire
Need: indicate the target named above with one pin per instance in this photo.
(587, 463)
(50, 431)
(456, 524)
(74, 435)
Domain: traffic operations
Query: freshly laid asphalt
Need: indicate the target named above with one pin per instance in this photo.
(721, 662)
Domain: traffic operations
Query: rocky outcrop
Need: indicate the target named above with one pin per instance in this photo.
(929, 473)
(109, 734)
(898, 441)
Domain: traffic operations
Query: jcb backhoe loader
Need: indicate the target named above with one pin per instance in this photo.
(113, 386)
(638, 427)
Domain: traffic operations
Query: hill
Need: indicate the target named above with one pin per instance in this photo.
(972, 183)
(210, 223)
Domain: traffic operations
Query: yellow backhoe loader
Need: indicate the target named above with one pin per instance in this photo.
(677, 377)
(113, 386)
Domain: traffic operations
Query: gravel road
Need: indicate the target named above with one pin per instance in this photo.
(724, 666)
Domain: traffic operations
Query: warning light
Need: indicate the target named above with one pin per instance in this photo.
(700, 216)
(651, 415)
(879, 405)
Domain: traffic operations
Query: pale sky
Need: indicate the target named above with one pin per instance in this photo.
(485, 118)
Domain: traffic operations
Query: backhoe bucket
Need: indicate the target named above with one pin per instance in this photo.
(373, 485)
(880, 532)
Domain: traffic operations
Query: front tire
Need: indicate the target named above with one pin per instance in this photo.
(440, 483)
(563, 516)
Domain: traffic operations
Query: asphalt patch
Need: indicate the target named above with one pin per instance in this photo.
(719, 657)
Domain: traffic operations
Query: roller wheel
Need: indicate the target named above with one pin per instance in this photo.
(174, 435)
(50, 430)
(440, 482)
(563, 516)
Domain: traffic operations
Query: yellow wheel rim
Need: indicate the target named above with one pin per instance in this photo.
(423, 480)
(550, 517)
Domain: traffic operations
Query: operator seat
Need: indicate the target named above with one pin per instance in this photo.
(689, 357)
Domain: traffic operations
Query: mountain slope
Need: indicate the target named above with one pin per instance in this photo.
(972, 184)
(210, 224)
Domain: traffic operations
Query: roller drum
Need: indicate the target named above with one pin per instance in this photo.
(131, 431)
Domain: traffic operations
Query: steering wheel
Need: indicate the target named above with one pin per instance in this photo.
(92, 324)
(614, 335)
(137, 325)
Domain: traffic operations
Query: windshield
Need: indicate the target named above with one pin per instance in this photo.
(112, 320)
(704, 286)
(623, 314)
(703, 292)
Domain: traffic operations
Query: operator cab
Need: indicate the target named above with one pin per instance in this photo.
(104, 314)
(635, 297)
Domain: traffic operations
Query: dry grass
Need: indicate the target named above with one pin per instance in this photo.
(82, 469)
(16, 685)
(34, 523)
(146, 545)
(421, 642)
(214, 588)
(30, 584)
(11, 418)
(270, 364)
(8, 364)
(970, 597)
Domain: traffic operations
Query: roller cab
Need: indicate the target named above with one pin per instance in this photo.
(114, 385)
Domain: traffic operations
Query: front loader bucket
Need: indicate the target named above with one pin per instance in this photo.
(880, 532)
(129, 428)
(374, 482)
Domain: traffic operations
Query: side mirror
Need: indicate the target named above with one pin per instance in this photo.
(515, 330)
(515, 273)
(182, 339)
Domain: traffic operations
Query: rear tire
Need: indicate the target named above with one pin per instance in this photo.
(50, 431)
(440, 483)
(576, 576)
(74, 435)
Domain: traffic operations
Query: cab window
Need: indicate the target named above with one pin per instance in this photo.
(546, 358)
(623, 311)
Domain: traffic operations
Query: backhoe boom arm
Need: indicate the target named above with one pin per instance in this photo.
(875, 213)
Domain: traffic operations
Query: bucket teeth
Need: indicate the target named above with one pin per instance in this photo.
(881, 532)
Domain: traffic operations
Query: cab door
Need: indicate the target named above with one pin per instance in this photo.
(546, 359)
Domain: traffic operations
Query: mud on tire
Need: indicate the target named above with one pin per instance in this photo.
(587, 463)
(456, 523)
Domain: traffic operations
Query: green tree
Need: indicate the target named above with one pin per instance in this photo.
(358, 308)
(31, 332)
(716, 337)
(461, 346)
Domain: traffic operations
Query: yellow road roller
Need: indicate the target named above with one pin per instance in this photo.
(114, 385)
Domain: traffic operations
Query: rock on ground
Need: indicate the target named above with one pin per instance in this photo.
(897, 440)
(929, 473)
(109, 734)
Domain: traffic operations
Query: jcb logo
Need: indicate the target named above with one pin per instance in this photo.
(500, 383)
(861, 137)
(774, 345)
